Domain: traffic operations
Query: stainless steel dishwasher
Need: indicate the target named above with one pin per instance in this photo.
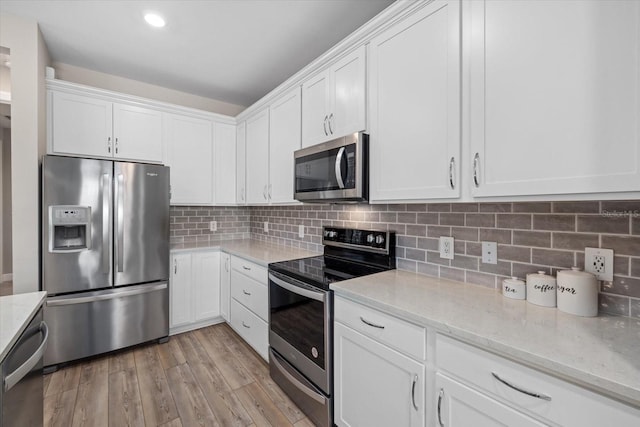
(21, 391)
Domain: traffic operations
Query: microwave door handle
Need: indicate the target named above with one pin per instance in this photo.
(338, 168)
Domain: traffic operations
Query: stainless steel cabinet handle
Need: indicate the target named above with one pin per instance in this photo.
(324, 125)
(451, 171)
(521, 390)
(366, 322)
(226, 264)
(245, 325)
(337, 168)
(14, 377)
(270, 186)
(413, 392)
(116, 145)
(476, 161)
(330, 129)
(120, 223)
(106, 222)
(109, 145)
(175, 266)
(264, 192)
(246, 268)
(245, 292)
(440, 396)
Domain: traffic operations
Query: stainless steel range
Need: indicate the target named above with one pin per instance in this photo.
(301, 313)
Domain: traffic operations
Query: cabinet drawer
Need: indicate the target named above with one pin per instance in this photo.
(570, 405)
(404, 336)
(250, 293)
(250, 327)
(250, 269)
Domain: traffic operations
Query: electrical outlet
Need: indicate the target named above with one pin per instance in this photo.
(599, 262)
(301, 231)
(446, 247)
(213, 225)
(489, 252)
(266, 227)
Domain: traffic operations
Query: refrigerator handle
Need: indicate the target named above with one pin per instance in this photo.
(106, 232)
(120, 223)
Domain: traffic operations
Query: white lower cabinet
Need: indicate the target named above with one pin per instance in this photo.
(374, 384)
(249, 303)
(225, 284)
(462, 406)
(194, 290)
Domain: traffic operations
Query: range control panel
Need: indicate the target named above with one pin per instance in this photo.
(379, 241)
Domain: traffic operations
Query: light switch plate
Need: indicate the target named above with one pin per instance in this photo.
(213, 225)
(301, 231)
(446, 247)
(489, 252)
(266, 227)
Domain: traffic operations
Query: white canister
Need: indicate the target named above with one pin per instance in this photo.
(514, 288)
(541, 289)
(578, 292)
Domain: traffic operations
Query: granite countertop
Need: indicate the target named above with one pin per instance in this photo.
(601, 353)
(257, 251)
(15, 313)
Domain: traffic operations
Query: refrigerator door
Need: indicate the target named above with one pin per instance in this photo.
(141, 230)
(76, 224)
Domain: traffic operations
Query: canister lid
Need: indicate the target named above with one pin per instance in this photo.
(575, 272)
(513, 281)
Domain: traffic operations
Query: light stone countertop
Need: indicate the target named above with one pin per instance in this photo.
(15, 313)
(601, 353)
(257, 251)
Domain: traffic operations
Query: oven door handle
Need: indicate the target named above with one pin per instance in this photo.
(295, 381)
(314, 295)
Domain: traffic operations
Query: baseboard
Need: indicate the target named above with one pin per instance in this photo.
(6, 277)
(196, 325)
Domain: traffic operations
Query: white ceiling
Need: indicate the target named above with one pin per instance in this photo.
(231, 50)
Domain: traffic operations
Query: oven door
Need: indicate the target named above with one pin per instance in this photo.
(300, 327)
(334, 170)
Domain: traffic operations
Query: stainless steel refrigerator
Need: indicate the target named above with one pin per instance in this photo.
(105, 255)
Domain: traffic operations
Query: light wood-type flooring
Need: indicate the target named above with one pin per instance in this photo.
(207, 377)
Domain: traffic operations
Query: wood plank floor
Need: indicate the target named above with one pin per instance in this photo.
(208, 377)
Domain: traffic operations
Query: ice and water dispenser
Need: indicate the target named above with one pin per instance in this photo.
(69, 228)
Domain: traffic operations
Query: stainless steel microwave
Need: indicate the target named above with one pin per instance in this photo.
(334, 171)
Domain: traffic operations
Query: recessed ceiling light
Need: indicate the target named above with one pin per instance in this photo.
(154, 20)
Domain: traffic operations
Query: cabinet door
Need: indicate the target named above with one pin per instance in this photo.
(181, 310)
(206, 285)
(553, 97)
(347, 94)
(258, 158)
(225, 284)
(224, 137)
(190, 157)
(375, 385)
(414, 107)
(138, 133)
(80, 125)
(459, 405)
(284, 139)
(241, 163)
(315, 114)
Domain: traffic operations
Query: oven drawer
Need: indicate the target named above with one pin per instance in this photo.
(252, 294)
(399, 334)
(559, 401)
(250, 327)
(250, 269)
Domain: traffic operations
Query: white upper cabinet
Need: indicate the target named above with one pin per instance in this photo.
(257, 166)
(333, 102)
(414, 95)
(224, 170)
(190, 157)
(137, 133)
(94, 127)
(284, 139)
(241, 159)
(553, 97)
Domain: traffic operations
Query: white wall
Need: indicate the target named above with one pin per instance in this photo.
(97, 79)
(5, 179)
(29, 56)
